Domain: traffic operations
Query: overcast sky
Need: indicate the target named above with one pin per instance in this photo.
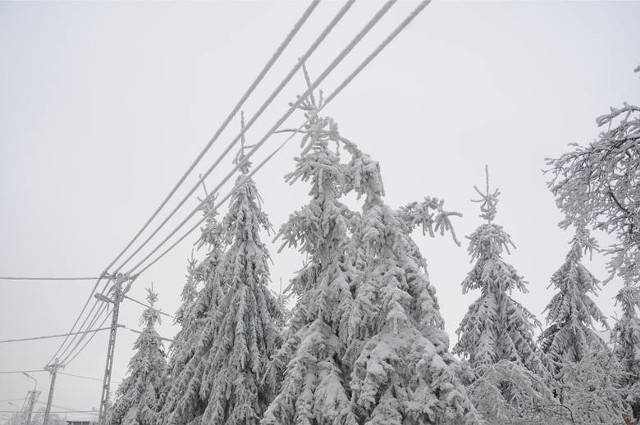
(104, 105)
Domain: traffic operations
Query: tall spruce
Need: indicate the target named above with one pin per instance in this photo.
(233, 377)
(496, 327)
(402, 371)
(572, 314)
(138, 393)
(222, 379)
(509, 378)
(313, 379)
(180, 402)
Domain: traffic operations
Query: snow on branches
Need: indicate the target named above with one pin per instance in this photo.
(599, 184)
(572, 314)
(138, 394)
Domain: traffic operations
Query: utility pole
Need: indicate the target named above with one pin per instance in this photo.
(32, 398)
(116, 299)
(53, 369)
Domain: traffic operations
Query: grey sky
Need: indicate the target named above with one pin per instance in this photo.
(104, 105)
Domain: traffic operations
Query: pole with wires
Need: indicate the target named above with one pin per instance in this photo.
(53, 369)
(118, 295)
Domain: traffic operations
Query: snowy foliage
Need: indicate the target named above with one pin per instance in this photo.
(222, 378)
(138, 394)
(402, 370)
(496, 336)
(599, 184)
(626, 339)
(572, 314)
(507, 393)
(194, 312)
(309, 368)
(590, 390)
(496, 327)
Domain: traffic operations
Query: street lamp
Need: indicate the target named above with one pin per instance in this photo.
(31, 377)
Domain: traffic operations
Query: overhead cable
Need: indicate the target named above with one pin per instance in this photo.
(372, 22)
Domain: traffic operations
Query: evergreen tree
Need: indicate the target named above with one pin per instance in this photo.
(141, 388)
(197, 327)
(312, 376)
(402, 371)
(496, 327)
(496, 335)
(626, 338)
(246, 338)
(571, 312)
(222, 379)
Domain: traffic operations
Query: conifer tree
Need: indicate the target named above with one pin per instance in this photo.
(496, 336)
(402, 371)
(496, 327)
(312, 376)
(194, 318)
(626, 338)
(191, 315)
(572, 314)
(246, 338)
(139, 391)
(222, 379)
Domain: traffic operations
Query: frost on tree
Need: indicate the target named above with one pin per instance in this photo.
(496, 335)
(626, 339)
(496, 327)
(599, 184)
(591, 392)
(223, 381)
(402, 371)
(233, 377)
(139, 391)
(192, 313)
(312, 375)
(572, 314)
(194, 317)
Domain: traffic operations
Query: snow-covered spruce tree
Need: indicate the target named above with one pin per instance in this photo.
(312, 376)
(572, 314)
(496, 336)
(197, 329)
(191, 314)
(233, 384)
(496, 327)
(141, 388)
(402, 371)
(626, 339)
(222, 381)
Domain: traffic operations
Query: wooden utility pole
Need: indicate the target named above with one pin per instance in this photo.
(116, 299)
(53, 369)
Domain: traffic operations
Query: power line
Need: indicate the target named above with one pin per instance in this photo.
(148, 306)
(226, 122)
(253, 119)
(82, 377)
(70, 356)
(46, 278)
(21, 371)
(80, 315)
(234, 111)
(50, 336)
(372, 22)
